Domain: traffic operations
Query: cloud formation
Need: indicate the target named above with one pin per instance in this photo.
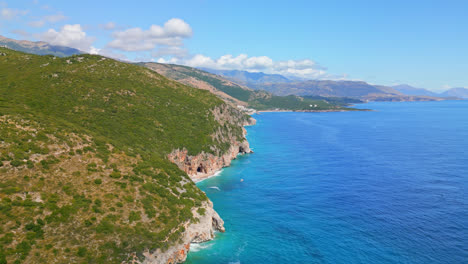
(11, 13)
(108, 26)
(55, 18)
(47, 19)
(172, 33)
(162, 43)
(37, 23)
(306, 68)
(69, 36)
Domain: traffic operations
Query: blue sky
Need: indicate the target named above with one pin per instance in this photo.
(422, 43)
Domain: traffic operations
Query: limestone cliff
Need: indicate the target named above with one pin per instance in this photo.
(204, 165)
(199, 167)
(195, 232)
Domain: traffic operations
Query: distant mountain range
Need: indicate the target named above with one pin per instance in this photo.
(241, 83)
(456, 92)
(38, 47)
(281, 85)
(249, 78)
(241, 95)
(459, 92)
(410, 90)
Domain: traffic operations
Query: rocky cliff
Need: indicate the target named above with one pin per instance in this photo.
(199, 167)
(198, 231)
(204, 165)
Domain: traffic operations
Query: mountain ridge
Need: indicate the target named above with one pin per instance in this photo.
(240, 95)
(38, 47)
(460, 92)
(342, 88)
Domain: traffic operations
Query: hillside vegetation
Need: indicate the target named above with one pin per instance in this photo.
(84, 176)
(237, 94)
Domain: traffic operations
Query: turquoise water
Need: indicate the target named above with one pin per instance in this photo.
(389, 186)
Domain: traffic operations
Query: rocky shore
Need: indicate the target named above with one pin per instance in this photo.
(195, 232)
(205, 165)
(199, 167)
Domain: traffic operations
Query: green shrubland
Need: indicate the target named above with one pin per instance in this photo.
(84, 176)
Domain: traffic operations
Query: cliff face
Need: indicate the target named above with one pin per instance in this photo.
(199, 167)
(195, 232)
(204, 165)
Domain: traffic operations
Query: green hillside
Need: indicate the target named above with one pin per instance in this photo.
(83, 171)
(259, 100)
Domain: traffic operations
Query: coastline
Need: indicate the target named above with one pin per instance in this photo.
(313, 111)
(200, 167)
(200, 178)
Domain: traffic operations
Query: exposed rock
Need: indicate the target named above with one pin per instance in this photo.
(199, 232)
(199, 167)
(204, 165)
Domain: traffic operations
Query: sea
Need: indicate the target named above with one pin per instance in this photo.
(382, 186)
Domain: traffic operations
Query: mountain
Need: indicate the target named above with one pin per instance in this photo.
(282, 86)
(249, 78)
(95, 159)
(456, 92)
(236, 94)
(39, 47)
(327, 88)
(223, 88)
(353, 89)
(410, 90)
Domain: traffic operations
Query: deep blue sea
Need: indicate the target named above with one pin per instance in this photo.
(388, 186)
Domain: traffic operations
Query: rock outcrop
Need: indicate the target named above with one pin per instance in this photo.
(195, 232)
(201, 166)
(204, 165)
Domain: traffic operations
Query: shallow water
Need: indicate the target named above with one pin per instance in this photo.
(388, 186)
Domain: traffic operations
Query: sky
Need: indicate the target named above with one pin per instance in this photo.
(420, 43)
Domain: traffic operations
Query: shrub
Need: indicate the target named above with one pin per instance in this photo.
(92, 167)
(134, 216)
(115, 175)
(81, 252)
(16, 163)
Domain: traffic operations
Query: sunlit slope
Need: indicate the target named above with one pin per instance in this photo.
(83, 171)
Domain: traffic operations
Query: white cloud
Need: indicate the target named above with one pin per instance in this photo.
(111, 54)
(47, 19)
(175, 51)
(108, 26)
(22, 33)
(306, 69)
(172, 33)
(169, 61)
(69, 36)
(55, 18)
(37, 24)
(11, 13)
